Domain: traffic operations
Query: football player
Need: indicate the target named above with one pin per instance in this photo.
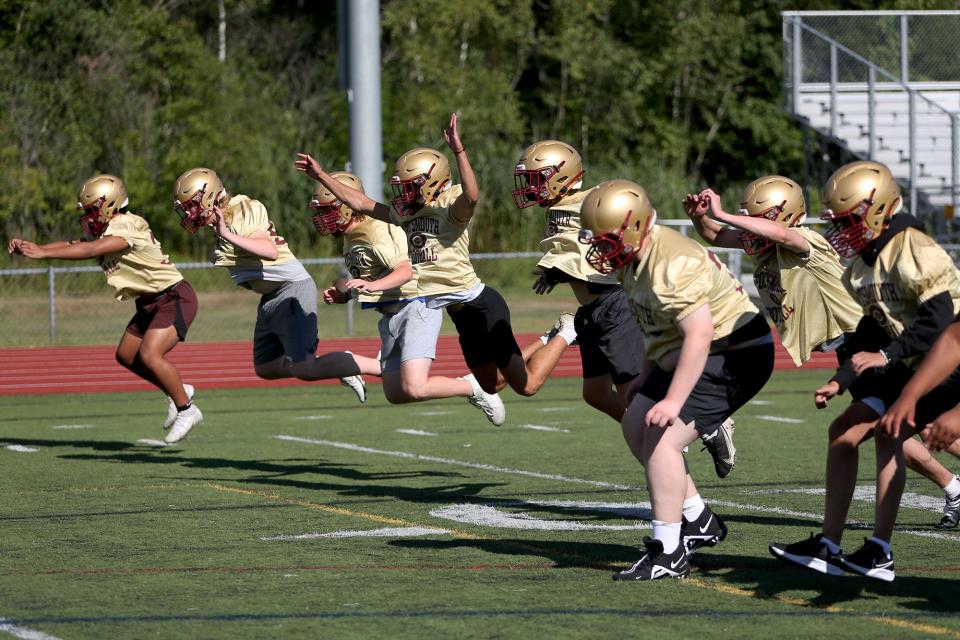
(797, 275)
(435, 214)
(259, 259)
(375, 254)
(136, 268)
(550, 174)
(707, 351)
(909, 289)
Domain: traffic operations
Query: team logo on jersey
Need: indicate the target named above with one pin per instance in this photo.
(109, 267)
(556, 220)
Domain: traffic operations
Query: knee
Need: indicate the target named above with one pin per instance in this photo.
(840, 434)
(125, 360)
(150, 357)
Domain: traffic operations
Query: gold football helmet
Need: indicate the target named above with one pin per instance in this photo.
(859, 199)
(195, 194)
(546, 171)
(418, 177)
(100, 198)
(616, 217)
(775, 198)
(331, 214)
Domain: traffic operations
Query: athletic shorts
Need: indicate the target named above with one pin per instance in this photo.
(287, 323)
(485, 332)
(610, 341)
(175, 306)
(881, 388)
(729, 380)
(408, 334)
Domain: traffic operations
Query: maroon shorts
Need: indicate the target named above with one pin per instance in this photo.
(172, 307)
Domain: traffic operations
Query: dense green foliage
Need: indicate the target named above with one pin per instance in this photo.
(674, 94)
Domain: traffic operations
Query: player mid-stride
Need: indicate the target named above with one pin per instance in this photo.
(382, 278)
(707, 352)
(136, 269)
(435, 214)
(258, 258)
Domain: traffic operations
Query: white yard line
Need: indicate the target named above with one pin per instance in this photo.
(18, 448)
(415, 432)
(435, 413)
(761, 403)
(553, 409)
(23, 632)
(388, 532)
(153, 443)
(72, 426)
(312, 418)
(867, 493)
(780, 419)
(540, 427)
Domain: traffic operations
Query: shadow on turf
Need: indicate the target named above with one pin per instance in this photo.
(770, 578)
(565, 555)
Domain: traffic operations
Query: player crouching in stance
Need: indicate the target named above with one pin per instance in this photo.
(136, 268)
(436, 214)
(375, 254)
(285, 337)
(707, 352)
(909, 289)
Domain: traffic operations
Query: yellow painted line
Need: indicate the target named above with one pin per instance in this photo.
(338, 510)
(921, 627)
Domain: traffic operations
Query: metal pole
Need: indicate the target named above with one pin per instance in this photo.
(913, 150)
(343, 48)
(363, 93)
(797, 64)
(904, 52)
(871, 112)
(833, 91)
(954, 162)
(350, 306)
(52, 294)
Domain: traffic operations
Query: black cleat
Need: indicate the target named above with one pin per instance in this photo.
(811, 553)
(870, 560)
(656, 564)
(706, 531)
(951, 515)
(720, 446)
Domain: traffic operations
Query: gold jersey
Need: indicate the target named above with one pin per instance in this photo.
(371, 250)
(804, 296)
(675, 277)
(911, 269)
(142, 267)
(561, 244)
(439, 246)
(245, 217)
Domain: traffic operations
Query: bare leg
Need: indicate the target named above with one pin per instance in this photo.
(413, 383)
(151, 356)
(891, 478)
(847, 432)
(526, 378)
(667, 477)
(600, 394)
(525, 352)
(919, 458)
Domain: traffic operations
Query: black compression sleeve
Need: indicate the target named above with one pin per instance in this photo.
(933, 317)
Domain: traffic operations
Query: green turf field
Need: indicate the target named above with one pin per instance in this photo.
(484, 532)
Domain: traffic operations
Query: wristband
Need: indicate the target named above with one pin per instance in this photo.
(457, 152)
(886, 357)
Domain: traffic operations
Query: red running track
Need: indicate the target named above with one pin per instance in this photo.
(47, 370)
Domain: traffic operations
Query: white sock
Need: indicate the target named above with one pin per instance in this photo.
(668, 533)
(883, 544)
(693, 507)
(952, 490)
(831, 545)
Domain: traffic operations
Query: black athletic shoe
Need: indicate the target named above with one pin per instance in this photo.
(706, 531)
(811, 553)
(720, 446)
(656, 564)
(870, 560)
(951, 515)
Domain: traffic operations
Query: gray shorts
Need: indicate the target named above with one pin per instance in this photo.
(287, 323)
(408, 334)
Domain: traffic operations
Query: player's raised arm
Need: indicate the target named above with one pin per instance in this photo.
(711, 231)
(356, 200)
(764, 218)
(464, 206)
(62, 250)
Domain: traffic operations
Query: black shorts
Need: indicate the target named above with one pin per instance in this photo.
(729, 380)
(175, 307)
(485, 332)
(610, 340)
(886, 385)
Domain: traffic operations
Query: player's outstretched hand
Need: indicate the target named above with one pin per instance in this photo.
(865, 360)
(26, 248)
(305, 163)
(822, 395)
(452, 135)
(711, 201)
(542, 285)
(903, 410)
(13, 247)
(944, 431)
(693, 205)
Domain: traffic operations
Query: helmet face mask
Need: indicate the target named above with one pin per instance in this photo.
(617, 217)
(754, 245)
(848, 233)
(608, 252)
(197, 195)
(100, 198)
(193, 216)
(532, 186)
(407, 195)
(328, 218)
(419, 176)
(859, 200)
(547, 170)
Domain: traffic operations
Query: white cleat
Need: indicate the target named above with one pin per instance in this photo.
(489, 403)
(357, 385)
(186, 420)
(172, 407)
